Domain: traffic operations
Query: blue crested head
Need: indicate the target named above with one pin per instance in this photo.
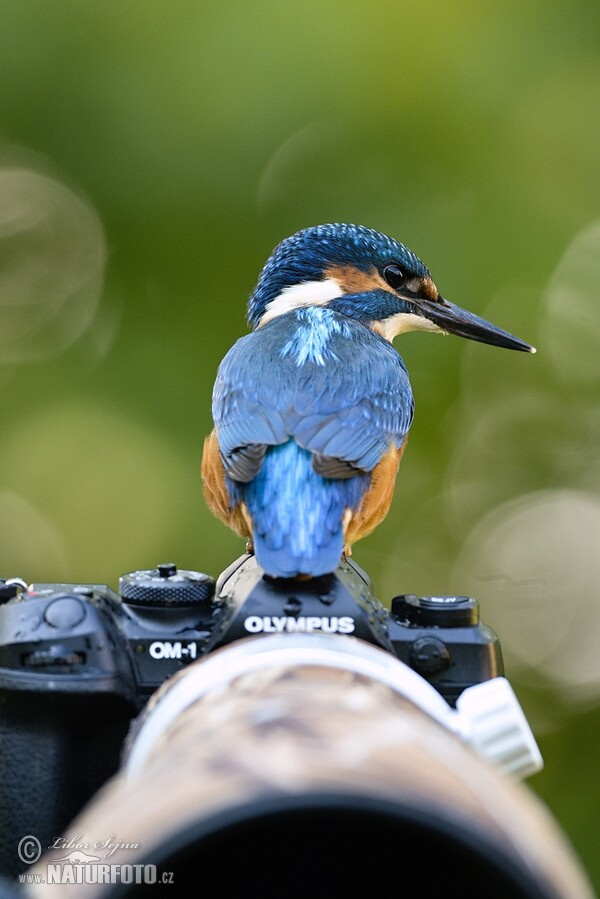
(315, 254)
(362, 274)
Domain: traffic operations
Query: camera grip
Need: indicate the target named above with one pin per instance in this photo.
(56, 750)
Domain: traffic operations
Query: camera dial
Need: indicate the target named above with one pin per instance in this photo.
(166, 586)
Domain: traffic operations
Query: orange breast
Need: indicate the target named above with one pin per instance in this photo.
(215, 490)
(376, 502)
(373, 508)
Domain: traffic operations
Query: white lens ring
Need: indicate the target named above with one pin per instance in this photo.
(284, 650)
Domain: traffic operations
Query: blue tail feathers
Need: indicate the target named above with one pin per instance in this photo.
(297, 514)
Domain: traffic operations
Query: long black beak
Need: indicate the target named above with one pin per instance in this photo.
(458, 321)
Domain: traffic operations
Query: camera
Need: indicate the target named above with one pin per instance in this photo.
(283, 722)
(79, 661)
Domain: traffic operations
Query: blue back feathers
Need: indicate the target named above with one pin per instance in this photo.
(309, 384)
(347, 396)
(311, 341)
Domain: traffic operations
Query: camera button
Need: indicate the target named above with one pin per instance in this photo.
(65, 613)
(428, 655)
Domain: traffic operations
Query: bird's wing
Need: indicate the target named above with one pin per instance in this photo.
(347, 402)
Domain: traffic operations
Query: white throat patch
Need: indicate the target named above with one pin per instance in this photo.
(404, 322)
(307, 293)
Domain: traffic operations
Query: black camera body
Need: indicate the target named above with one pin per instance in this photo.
(79, 661)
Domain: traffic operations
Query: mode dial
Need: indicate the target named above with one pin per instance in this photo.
(166, 586)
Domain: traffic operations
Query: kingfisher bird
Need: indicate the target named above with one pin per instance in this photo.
(312, 409)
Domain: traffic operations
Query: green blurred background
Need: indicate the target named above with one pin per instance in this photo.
(152, 154)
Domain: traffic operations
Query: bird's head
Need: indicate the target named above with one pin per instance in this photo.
(365, 275)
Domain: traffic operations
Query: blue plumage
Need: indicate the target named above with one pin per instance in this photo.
(311, 340)
(305, 255)
(312, 408)
(265, 393)
(309, 382)
(297, 514)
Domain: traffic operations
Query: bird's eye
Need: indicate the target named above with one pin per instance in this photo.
(395, 276)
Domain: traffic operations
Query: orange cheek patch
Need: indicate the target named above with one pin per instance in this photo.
(353, 280)
(429, 290)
